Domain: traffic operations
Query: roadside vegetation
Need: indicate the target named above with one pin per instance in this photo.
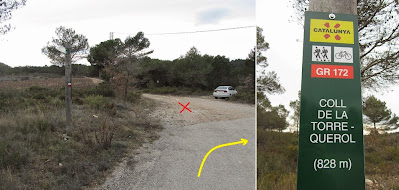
(278, 154)
(37, 151)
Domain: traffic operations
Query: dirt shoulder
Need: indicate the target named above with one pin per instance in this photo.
(204, 109)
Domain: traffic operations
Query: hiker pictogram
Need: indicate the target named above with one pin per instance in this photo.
(324, 53)
(321, 53)
(317, 53)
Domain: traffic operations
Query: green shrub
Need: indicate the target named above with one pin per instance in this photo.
(8, 180)
(98, 135)
(40, 93)
(133, 96)
(35, 123)
(177, 91)
(56, 101)
(150, 84)
(391, 153)
(277, 160)
(395, 186)
(104, 89)
(95, 101)
(244, 97)
(10, 101)
(12, 154)
(164, 90)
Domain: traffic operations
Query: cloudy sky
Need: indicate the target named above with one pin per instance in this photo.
(285, 54)
(36, 22)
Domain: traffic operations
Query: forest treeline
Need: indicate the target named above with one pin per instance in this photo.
(189, 71)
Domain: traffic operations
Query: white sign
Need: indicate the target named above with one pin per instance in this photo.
(321, 53)
(343, 55)
(61, 49)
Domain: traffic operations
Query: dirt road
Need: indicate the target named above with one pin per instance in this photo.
(173, 161)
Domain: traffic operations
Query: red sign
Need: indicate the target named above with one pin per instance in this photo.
(332, 71)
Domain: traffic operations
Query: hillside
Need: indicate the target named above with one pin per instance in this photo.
(4, 68)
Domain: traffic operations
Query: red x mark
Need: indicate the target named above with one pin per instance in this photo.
(185, 107)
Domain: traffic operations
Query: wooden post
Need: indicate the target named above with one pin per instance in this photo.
(334, 6)
(68, 86)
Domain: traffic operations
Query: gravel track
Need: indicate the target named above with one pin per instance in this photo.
(172, 161)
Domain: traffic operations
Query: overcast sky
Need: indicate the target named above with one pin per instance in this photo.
(36, 22)
(285, 54)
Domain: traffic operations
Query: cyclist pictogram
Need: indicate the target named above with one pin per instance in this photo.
(343, 54)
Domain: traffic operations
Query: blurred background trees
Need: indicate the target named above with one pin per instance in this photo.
(6, 9)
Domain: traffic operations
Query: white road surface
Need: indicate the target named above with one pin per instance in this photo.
(172, 162)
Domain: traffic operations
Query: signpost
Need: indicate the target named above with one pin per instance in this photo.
(68, 83)
(68, 86)
(331, 153)
(61, 49)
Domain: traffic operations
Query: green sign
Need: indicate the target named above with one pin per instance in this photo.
(331, 153)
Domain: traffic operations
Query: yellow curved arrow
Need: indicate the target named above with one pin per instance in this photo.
(243, 141)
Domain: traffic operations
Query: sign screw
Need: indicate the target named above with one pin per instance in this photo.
(331, 16)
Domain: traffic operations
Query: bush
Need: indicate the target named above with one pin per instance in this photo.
(12, 154)
(104, 89)
(10, 100)
(133, 96)
(40, 93)
(98, 135)
(8, 180)
(95, 101)
(178, 91)
(57, 101)
(244, 97)
(277, 160)
(34, 97)
(163, 90)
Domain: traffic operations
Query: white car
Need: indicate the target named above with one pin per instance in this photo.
(224, 92)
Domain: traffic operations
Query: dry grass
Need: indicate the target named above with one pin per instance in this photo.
(37, 151)
(53, 83)
(277, 160)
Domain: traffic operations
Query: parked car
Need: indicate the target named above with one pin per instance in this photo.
(224, 92)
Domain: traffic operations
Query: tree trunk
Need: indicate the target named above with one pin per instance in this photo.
(334, 6)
